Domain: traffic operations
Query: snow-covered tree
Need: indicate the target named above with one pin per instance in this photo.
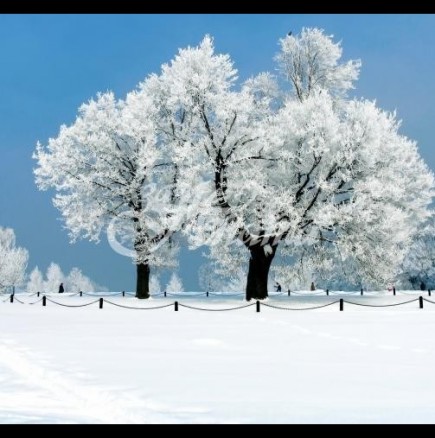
(35, 282)
(175, 284)
(207, 278)
(13, 259)
(155, 284)
(76, 281)
(419, 264)
(324, 177)
(236, 282)
(110, 173)
(226, 269)
(312, 61)
(54, 277)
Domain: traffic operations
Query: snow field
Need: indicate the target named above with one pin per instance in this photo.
(86, 365)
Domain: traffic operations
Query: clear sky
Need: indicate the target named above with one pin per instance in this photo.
(50, 64)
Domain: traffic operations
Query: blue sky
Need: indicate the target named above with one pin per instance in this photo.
(50, 64)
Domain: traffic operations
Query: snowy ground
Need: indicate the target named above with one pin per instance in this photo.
(86, 365)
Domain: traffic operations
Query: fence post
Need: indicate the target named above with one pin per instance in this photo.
(362, 290)
(123, 293)
(206, 293)
(164, 293)
(38, 293)
(44, 300)
(176, 306)
(258, 306)
(420, 301)
(394, 290)
(12, 298)
(341, 304)
(289, 293)
(429, 292)
(81, 293)
(327, 292)
(101, 303)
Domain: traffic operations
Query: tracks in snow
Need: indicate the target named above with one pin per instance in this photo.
(69, 399)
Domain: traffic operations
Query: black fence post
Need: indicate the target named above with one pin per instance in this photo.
(362, 291)
(289, 292)
(164, 293)
(123, 293)
(327, 292)
(206, 293)
(81, 293)
(341, 304)
(258, 306)
(176, 306)
(429, 292)
(38, 293)
(44, 300)
(394, 290)
(420, 301)
(12, 298)
(101, 303)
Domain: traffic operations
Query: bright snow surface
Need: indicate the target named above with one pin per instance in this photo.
(115, 365)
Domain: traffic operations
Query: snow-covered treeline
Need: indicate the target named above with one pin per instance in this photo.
(74, 281)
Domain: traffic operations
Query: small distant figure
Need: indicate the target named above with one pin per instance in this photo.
(422, 286)
(277, 287)
(61, 289)
(290, 33)
(312, 287)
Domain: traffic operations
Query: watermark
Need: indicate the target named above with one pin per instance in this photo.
(140, 234)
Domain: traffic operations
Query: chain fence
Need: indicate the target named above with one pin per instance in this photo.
(101, 300)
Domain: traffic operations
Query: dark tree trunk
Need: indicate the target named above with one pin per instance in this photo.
(142, 283)
(258, 273)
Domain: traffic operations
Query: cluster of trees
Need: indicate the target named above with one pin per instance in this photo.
(75, 281)
(285, 167)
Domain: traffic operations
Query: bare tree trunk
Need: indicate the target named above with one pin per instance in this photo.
(258, 273)
(143, 278)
